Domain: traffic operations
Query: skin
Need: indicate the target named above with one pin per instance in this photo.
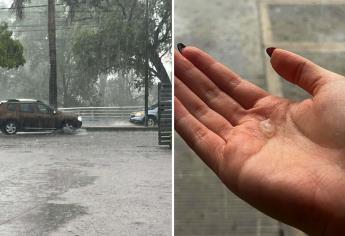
(285, 158)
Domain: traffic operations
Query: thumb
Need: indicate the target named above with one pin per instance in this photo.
(298, 70)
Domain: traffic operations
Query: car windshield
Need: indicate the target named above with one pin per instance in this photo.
(153, 106)
(44, 108)
(46, 105)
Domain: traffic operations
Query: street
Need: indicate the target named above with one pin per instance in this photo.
(88, 183)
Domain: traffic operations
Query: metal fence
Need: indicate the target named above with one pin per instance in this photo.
(103, 113)
(165, 114)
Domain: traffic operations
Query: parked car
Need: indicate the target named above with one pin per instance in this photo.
(139, 116)
(33, 115)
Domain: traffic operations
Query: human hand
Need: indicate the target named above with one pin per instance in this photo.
(285, 158)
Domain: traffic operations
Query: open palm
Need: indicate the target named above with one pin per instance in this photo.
(285, 158)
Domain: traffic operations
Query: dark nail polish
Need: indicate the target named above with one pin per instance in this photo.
(180, 47)
(270, 51)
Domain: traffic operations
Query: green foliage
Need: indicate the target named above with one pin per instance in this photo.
(100, 51)
(11, 51)
(118, 45)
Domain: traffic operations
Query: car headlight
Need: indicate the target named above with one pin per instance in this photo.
(79, 118)
(140, 113)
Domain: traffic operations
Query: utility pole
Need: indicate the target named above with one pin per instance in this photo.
(52, 54)
(147, 64)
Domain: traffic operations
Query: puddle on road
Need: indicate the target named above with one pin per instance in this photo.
(81, 132)
(43, 187)
(108, 123)
(51, 216)
(67, 131)
(61, 180)
(138, 223)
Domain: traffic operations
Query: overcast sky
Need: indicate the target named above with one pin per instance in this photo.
(6, 2)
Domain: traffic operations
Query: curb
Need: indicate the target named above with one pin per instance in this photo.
(119, 128)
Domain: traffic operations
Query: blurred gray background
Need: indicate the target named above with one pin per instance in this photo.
(237, 33)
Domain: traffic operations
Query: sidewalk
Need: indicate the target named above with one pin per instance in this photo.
(115, 125)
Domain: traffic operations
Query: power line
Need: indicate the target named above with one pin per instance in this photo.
(58, 39)
(43, 30)
(45, 26)
(65, 11)
(35, 6)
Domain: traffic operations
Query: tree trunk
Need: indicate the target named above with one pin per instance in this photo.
(102, 87)
(52, 54)
(121, 85)
(64, 90)
(157, 62)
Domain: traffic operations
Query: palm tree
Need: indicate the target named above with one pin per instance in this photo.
(18, 6)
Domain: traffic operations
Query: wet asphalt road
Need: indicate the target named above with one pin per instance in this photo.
(89, 183)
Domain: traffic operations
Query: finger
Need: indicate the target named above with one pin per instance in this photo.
(211, 119)
(299, 70)
(207, 91)
(206, 144)
(244, 92)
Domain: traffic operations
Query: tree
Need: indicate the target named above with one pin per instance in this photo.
(11, 50)
(119, 44)
(18, 6)
(100, 50)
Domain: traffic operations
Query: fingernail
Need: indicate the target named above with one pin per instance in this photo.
(270, 51)
(180, 47)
